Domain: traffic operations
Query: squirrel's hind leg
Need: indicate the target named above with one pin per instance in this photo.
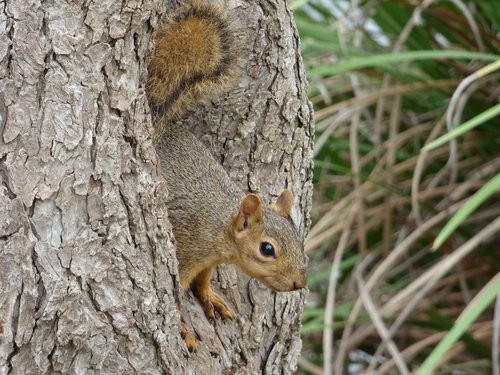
(210, 300)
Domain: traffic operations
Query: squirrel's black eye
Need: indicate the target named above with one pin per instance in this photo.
(267, 249)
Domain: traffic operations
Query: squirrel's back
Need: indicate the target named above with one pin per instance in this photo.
(193, 177)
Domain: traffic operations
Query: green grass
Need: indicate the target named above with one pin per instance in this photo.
(466, 127)
(482, 195)
(388, 59)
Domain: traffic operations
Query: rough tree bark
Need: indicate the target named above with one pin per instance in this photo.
(88, 276)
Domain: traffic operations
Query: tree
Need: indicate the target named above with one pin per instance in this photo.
(88, 276)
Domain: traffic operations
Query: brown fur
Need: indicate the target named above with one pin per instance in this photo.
(214, 222)
(194, 58)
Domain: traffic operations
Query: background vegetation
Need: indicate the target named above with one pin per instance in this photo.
(405, 244)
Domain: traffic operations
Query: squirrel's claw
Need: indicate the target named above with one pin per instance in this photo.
(189, 339)
(225, 311)
(212, 302)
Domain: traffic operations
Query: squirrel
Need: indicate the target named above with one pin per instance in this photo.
(214, 222)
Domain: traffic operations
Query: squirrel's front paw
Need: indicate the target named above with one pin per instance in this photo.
(211, 302)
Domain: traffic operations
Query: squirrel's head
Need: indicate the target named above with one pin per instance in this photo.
(268, 245)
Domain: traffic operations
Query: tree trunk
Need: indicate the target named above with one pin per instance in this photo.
(88, 275)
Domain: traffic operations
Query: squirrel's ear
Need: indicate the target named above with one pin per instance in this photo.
(284, 203)
(250, 212)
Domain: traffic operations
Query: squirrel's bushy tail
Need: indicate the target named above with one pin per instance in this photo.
(194, 59)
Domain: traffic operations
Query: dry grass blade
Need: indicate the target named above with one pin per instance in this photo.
(379, 323)
(496, 338)
(441, 268)
(310, 367)
(330, 298)
(420, 287)
(479, 331)
(350, 340)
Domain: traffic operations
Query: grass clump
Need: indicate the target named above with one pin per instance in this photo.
(405, 245)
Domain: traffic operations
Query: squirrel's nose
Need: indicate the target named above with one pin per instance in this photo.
(299, 284)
